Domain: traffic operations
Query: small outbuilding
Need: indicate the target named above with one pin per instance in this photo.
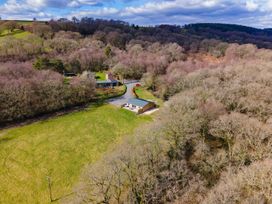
(110, 82)
(138, 105)
(107, 84)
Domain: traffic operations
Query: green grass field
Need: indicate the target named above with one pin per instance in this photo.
(59, 148)
(141, 92)
(16, 33)
(20, 22)
(100, 76)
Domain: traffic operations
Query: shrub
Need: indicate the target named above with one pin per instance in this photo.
(218, 121)
(44, 63)
(26, 92)
(20, 49)
(61, 45)
(88, 59)
(250, 185)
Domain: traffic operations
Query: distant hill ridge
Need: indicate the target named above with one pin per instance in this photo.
(188, 36)
(228, 28)
(232, 33)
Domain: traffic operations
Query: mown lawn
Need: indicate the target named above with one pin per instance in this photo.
(141, 92)
(58, 148)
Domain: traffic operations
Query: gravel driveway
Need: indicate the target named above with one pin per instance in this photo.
(128, 95)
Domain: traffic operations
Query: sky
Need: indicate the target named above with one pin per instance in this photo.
(256, 13)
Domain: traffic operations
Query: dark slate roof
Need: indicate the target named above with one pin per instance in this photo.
(138, 102)
(107, 82)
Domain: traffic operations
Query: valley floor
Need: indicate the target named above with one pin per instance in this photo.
(58, 149)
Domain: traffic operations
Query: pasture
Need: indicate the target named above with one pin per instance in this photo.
(17, 33)
(58, 149)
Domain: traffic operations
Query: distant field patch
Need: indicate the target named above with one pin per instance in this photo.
(24, 22)
(58, 148)
(16, 33)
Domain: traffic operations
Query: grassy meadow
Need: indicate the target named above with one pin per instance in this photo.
(58, 148)
(100, 76)
(17, 33)
(143, 93)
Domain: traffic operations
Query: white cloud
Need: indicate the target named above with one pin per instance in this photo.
(252, 6)
(96, 13)
(160, 9)
(246, 12)
(268, 5)
(27, 9)
(38, 4)
(14, 9)
(259, 5)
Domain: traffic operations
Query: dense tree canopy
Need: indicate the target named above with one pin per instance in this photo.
(208, 141)
(211, 142)
(26, 92)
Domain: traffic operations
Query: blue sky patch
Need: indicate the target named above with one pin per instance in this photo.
(255, 13)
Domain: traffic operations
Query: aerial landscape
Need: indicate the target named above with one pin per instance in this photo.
(145, 102)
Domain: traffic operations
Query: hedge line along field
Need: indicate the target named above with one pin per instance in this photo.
(58, 149)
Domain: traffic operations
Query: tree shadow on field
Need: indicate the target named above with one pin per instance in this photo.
(5, 139)
(62, 197)
(43, 117)
(12, 33)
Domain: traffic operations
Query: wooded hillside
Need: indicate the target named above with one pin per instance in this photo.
(210, 144)
(211, 141)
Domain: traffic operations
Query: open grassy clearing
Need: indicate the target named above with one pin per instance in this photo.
(100, 76)
(20, 22)
(17, 33)
(59, 148)
(141, 92)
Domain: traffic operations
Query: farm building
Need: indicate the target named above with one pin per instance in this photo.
(110, 82)
(107, 84)
(138, 105)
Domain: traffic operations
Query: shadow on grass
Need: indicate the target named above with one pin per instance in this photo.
(43, 117)
(5, 139)
(62, 197)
